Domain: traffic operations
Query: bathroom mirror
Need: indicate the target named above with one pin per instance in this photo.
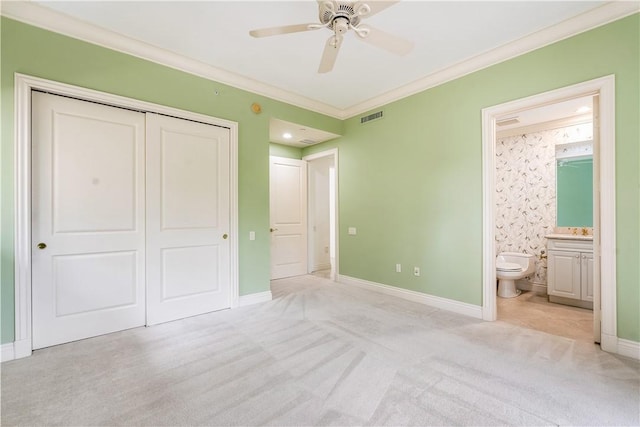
(574, 185)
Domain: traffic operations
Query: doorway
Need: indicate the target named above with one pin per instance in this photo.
(323, 214)
(544, 216)
(604, 202)
(303, 210)
(303, 202)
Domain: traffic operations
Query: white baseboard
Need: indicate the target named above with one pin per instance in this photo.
(256, 298)
(426, 299)
(15, 350)
(8, 352)
(22, 348)
(629, 348)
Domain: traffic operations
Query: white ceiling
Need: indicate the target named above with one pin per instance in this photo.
(288, 133)
(572, 108)
(216, 33)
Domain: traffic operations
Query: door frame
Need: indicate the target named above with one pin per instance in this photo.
(24, 85)
(604, 239)
(332, 152)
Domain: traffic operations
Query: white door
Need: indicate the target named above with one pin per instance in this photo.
(288, 203)
(88, 219)
(188, 270)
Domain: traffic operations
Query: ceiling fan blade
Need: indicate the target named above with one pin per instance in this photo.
(330, 54)
(286, 29)
(372, 7)
(384, 40)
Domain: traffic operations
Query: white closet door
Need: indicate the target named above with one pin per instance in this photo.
(288, 206)
(88, 219)
(187, 218)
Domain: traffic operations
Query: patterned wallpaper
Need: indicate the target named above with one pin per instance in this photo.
(526, 193)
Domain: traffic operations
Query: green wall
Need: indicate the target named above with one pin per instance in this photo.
(287, 151)
(411, 183)
(33, 51)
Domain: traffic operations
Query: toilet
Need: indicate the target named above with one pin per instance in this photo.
(511, 266)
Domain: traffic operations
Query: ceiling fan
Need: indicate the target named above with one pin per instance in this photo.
(340, 17)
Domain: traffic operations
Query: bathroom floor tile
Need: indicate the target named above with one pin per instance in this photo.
(532, 310)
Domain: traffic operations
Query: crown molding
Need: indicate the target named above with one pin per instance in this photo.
(602, 15)
(42, 17)
(33, 14)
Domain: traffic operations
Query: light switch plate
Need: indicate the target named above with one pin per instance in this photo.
(352, 231)
(252, 235)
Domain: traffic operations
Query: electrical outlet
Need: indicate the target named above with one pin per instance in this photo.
(252, 235)
(416, 271)
(352, 231)
(398, 268)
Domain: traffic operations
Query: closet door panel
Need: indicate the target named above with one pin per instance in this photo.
(88, 232)
(187, 218)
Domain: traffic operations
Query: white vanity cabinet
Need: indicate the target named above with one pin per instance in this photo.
(570, 270)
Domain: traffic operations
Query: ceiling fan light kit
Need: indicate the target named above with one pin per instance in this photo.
(340, 17)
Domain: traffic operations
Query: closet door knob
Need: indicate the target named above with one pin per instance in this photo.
(41, 245)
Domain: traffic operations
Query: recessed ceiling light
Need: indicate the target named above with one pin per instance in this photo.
(286, 135)
(583, 109)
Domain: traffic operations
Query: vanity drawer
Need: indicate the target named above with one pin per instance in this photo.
(572, 245)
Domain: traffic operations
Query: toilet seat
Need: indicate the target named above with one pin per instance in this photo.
(508, 266)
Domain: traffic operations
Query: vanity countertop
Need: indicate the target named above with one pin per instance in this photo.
(568, 236)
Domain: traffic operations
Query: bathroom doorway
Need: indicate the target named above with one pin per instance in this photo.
(602, 230)
(322, 213)
(544, 188)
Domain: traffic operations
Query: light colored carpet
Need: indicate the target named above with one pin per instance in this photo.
(323, 354)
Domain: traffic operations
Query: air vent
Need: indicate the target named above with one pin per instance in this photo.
(507, 121)
(307, 141)
(371, 117)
